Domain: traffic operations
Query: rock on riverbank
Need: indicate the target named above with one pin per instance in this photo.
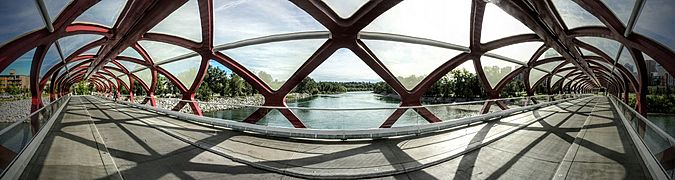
(223, 103)
(12, 111)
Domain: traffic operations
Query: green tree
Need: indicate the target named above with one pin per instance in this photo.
(236, 85)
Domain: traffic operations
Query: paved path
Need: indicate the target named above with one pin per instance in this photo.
(576, 140)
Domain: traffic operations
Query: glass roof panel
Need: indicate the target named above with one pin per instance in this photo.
(51, 58)
(621, 8)
(608, 46)
(568, 79)
(125, 79)
(239, 20)
(18, 18)
(498, 24)
(20, 66)
(575, 81)
(73, 63)
(60, 72)
(520, 52)
(554, 79)
(567, 65)
(656, 22)
(185, 70)
(70, 44)
(586, 52)
(495, 69)
(431, 19)
(131, 52)
(54, 7)
(117, 83)
(549, 54)
(563, 73)
(159, 51)
(110, 64)
(92, 51)
(344, 66)
(345, 8)
(550, 66)
(627, 61)
(130, 66)
(535, 75)
(184, 22)
(468, 66)
(145, 76)
(607, 65)
(574, 15)
(116, 73)
(275, 62)
(105, 13)
(410, 63)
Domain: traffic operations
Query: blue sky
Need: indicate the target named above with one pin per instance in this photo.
(236, 20)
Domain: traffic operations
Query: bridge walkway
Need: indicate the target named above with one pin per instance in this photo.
(99, 139)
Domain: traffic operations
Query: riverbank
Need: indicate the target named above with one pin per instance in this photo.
(12, 111)
(435, 100)
(225, 103)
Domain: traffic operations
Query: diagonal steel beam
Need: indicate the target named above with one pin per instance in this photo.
(139, 19)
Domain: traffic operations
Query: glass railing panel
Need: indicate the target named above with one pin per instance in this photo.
(16, 137)
(411, 117)
(656, 140)
(19, 134)
(456, 111)
(346, 119)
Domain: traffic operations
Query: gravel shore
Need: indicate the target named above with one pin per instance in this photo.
(223, 103)
(12, 111)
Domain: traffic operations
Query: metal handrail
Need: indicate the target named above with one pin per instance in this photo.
(649, 123)
(348, 133)
(16, 123)
(365, 109)
(651, 162)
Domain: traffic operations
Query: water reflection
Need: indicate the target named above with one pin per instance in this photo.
(351, 119)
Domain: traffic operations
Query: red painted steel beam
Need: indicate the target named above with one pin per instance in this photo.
(137, 20)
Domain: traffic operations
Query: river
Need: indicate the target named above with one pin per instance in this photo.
(664, 121)
(321, 119)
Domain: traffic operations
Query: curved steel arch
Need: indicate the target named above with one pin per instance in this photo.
(138, 17)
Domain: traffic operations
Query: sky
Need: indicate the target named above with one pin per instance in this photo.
(236, 20)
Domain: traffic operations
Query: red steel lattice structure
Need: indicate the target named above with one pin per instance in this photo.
(139, 16)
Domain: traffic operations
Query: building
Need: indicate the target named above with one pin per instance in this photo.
(665, 78)
(14, 80)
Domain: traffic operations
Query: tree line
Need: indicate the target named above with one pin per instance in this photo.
(457, 83)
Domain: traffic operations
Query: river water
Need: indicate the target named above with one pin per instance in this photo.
(354, 119)
(664, 121)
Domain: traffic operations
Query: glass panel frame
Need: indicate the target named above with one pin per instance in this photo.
(105, 13)
(344, 66)
(18, 19)
(495, 69)
(535, 75)
(184, 70)
(575, 16)
(410, 63)
(160, 51)
(232, 20)
(430, 21)
(184, 22)
(285, 56)
(70, 44)
(345, 8)
(520, 52)
(498, 24)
